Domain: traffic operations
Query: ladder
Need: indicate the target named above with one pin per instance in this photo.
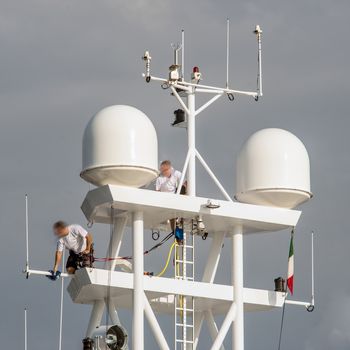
(184, 305)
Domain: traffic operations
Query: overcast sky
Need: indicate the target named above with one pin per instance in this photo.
(62, 61)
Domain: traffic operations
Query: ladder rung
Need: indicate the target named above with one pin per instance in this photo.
(182, 309)
(182, 325)
(185, 341)
(186, 262)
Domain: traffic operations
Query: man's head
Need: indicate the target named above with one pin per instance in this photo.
(60, 228)
(165, 168)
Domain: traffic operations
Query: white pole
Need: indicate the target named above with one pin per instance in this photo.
(227, 50)
(27, 233)
(212, 175)
(138, 304)
(231, 314)
(157, 331)
(95, 317)
(61, 307)
(115, 242)
(183, 54)
(191, 131)
(213, 329)
(25, 330)
(237, 279)
(312, 270)
(260, 88)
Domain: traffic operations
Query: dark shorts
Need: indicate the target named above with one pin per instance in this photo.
(73, 260)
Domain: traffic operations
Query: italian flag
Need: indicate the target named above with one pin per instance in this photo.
(290, 279)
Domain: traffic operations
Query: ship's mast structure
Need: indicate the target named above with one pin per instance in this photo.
(119, 201)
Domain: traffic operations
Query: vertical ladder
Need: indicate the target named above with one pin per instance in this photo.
(184, 305)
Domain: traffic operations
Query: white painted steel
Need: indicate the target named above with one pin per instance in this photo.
(158, 207)
(25, 330)
(227, 51)
(213, 258)
(116, 241)
(213, 329)
(229, 318)
(46, 273)
(198, 323)
(138, 294)
(191, 134)
(273, 169)
(27, 233)
(157, 331)
(260, 88)
(237, 279)
(212, 175)
(183, 54)
(113, 313)
(61, 305)
(208, 103)
(312, 270)
(120, 147)
(183, 174)
(95, 317)
(90, 285)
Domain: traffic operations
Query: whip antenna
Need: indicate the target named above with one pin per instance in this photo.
(227, 51)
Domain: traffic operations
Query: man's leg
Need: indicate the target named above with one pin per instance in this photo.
(72, 263)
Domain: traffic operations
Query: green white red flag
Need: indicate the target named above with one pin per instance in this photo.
(290, 279)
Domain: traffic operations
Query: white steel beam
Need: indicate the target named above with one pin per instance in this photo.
(157, 331)
(207, 104)
(138, 304)
(230, 317)
(95, 317)
(237, 279)
(213, 329)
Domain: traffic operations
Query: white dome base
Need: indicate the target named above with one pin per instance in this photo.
(119, 175)
(274, 197)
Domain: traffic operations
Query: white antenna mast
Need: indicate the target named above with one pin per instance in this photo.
(258, 33)
(181, 88)
(27, 234)
(61, 306)
(183, 54)
(227, 51)
(25, 330)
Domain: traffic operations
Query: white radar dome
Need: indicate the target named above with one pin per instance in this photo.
(273, 169)
(120, 147)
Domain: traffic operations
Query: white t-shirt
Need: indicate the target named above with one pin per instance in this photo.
(75, 240)
(168, 184)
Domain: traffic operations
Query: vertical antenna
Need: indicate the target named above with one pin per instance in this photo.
(183, 54)
(27, 234)
(61, 306)
(312, 270)
(25, 330)
(258, 33)
(227, 50)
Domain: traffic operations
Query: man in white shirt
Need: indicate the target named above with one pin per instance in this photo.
(168, 181)
(77, 240)
(169, 178)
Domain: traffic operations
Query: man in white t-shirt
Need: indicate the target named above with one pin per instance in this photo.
(168, 181)
(74, 238)
(169, 178)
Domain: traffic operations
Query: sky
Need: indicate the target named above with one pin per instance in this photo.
(63, 61)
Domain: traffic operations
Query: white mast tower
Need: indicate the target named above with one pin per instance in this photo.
(120, 155)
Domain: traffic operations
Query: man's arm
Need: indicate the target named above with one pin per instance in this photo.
(88, 238)
(58, 259)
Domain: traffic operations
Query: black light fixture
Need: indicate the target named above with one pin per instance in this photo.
(279, 285)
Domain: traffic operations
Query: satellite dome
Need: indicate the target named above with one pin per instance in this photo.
(120, 147)
(273, 169)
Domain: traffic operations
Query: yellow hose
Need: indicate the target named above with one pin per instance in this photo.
(168, 260)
